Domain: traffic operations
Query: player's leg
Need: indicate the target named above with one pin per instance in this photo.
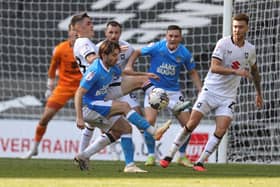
(222, 124)
(109, 136)
(125, 129)
(40, 131)
(182, 137)
(126, 138)
(137, 120)
(224, 114)
(150, 115)
(130, 83)
(183, 118)
(200, 108)
(55, 102)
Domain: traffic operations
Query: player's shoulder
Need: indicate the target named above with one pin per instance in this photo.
(225, 40)
(83, 41)
(123, 42)
(249, 45)
(62, 46)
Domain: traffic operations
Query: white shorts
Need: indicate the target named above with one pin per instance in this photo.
(94, 119)
(130, 99)
(221, 106)
(175, 97)
(114, 92)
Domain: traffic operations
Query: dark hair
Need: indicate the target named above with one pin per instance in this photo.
(174, 27)
(241, 17)
(114, 24)
(79, 17)
(108, 47)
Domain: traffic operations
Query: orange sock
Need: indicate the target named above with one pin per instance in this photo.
(40, 131)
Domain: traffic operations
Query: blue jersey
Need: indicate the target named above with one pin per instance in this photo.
(167, 65)
(96, 80)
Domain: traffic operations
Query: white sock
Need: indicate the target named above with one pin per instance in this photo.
(151, 130)
(178, 142)
(101, 142)
(35, 146)
(210, 147)
(85, 139)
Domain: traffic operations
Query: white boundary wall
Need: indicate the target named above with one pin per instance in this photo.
(62, 139)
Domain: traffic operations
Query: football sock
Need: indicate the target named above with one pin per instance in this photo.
(150, 142)
(210, 147)
(85, 138)
(137, 120)
(182, 149)
(101, 142)
(40, 131)
(128, 148)
(179, 140)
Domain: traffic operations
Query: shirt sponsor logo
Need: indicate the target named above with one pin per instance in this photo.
(166, 69)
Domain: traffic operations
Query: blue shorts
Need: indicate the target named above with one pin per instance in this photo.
(102, 107)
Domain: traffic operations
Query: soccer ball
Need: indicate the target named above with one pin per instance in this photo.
(158, 99)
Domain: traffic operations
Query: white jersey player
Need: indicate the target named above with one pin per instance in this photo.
(233, 58)
(84, 49)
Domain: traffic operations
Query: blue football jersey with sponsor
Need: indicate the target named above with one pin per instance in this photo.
(167, 64)
(96, 80)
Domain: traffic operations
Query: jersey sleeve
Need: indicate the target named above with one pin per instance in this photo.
(89, 79)
(149, 49)
(252, 58)
(219, 50)
(55, 60)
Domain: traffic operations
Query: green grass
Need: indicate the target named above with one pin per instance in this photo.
(60, 173)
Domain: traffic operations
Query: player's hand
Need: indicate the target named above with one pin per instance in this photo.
(80, 123)
(259, 101)
(48, 93)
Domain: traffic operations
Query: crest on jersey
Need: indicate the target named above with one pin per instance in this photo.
(89, 76)
(229, 52)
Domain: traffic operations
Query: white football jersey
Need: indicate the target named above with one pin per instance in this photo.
(123, 57)
(234, 57)
(82, 48)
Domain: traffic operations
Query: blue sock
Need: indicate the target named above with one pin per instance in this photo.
(128, 149)
(137, 120)
(182, 149)
(150, 142)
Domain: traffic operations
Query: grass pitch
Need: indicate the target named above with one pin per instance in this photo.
(63, 173)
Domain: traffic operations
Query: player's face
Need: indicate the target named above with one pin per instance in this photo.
(85, 28)
(112, 58)
(173, 38)
(113, 33)
(239, 30)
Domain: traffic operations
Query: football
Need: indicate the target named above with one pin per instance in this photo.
(158, 99)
